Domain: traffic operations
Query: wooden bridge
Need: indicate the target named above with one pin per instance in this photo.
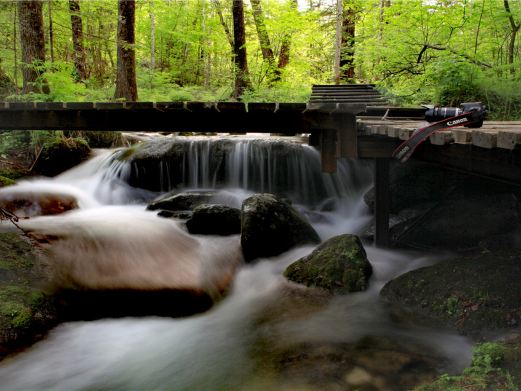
(347, 121)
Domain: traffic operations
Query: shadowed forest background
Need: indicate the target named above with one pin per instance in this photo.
(416, 51)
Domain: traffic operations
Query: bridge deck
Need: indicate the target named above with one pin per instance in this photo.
(493, 134)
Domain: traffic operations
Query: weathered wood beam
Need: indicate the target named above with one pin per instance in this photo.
(382, 203)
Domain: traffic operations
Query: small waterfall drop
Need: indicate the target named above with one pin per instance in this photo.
(282, 166)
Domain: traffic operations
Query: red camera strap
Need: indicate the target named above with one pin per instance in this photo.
(405, 150)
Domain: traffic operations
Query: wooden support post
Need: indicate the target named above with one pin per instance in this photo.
(382, 201)
(346, 134)
(328, 150)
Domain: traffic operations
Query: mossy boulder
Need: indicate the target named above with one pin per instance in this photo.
(215, 220)
(27, 310)
(270, 227)
(60, 154)
(475, 295)
(338, 265)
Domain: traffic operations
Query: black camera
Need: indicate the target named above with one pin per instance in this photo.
(435, 114)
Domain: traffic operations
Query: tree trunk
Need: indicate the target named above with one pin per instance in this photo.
(347, 68)
(32, 38)
(51, 30)
(152, 37)
(514, 29)
(80, 62)
(242, 77)
(338, 41)
(126, 86)
(264, 40)
(286, 45)
(15, 48)
(217, 6)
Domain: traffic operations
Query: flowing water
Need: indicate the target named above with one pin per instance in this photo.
(265, 334)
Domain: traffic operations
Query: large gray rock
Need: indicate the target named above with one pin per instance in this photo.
(338, 265)
(475, 295)
(215, 220)
(270, 227)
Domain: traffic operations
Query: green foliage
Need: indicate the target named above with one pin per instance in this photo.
(279, 93)
(416, 51)
(485, 373)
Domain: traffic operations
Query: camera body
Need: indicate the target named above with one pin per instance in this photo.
(436, 114)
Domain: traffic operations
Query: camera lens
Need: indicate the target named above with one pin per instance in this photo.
(440, 113)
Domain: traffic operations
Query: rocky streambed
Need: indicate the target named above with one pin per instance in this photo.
(207, 244)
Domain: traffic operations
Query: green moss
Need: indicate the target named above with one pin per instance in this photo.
(127, 153)
(15, 306)
(15, 253)
(5, 181)
(485, 373)
(19, 315)
(338, 265)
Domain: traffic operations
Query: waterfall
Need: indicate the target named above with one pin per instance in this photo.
(285, 167)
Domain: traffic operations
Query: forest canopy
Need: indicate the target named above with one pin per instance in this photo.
(415, 51)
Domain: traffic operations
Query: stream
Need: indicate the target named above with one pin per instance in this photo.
(264, 334)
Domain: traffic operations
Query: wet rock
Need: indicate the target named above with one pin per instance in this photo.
(61, 154)
(475, 295)
(215, 220)
(27, 310)
(99, 139)
(161, 165)
(270, 227)
(36, 204)
(179, 214)
(338, 265)
(371, 364)
(181, 201)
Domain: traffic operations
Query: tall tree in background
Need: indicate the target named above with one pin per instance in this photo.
(80, 62)
(286, 44)
(242, 77)
(347, 51)
(514, 29)
(338, 41)
(126, 86)
(264, 40)
(32, 39)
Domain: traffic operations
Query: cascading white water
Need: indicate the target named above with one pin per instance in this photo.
(109, 243)
(274, 165)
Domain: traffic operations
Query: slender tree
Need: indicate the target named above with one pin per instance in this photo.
(338, 41)
(219, 10)
(32, 39)
(286, 44)
(347, 67)
(126, 86)
(51, 29)
(152, 36)
(264, 40)
(80, 62)
(514, 29)
(242, 77)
